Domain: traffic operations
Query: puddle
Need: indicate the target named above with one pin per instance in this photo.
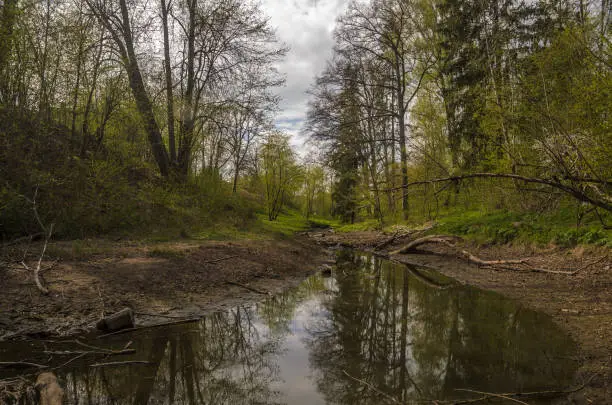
(375, 330)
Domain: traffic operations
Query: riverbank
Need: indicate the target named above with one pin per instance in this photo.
(580, 303)
(159, 281)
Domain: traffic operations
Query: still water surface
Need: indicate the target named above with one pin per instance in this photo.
(372, 331)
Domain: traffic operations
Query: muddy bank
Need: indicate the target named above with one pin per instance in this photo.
(159, 281)
(581, 303)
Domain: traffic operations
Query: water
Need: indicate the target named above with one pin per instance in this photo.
(374, 331)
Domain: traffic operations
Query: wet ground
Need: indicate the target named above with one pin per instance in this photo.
(371, 332)
(176, 279)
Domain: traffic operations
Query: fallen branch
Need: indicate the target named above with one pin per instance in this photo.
(445, 240)
(120, 363)
(122, 331)
(421, 241)
(219, 260)
(105, 353)
(397, 236)
(491, 394)
(20, 364)
(248, 288)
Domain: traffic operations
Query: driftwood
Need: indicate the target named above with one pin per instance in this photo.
(117, 321)
(50, 391)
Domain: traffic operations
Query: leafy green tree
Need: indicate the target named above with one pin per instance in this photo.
(281, 174)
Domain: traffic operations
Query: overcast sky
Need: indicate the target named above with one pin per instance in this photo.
(306, 26)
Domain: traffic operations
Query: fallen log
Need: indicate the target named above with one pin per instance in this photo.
(446, 240)
(425, 239)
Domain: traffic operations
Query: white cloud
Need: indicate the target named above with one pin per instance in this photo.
(306, 26)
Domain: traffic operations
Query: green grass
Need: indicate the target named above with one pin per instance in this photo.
(365, 225)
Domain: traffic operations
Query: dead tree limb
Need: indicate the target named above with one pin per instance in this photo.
(20, 364)
(421, 241)
(604, 202)
(48, 233)
(120, 363)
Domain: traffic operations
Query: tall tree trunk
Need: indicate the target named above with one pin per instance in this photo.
(7, 21)
(168, 73)
(401, 116)
(143, 103)
(187, 119)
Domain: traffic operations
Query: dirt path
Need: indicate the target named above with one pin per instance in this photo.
(180, 279)
(580, 303)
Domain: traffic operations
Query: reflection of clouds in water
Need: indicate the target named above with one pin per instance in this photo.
(377, 321)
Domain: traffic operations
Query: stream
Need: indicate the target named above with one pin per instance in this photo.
(374, 332)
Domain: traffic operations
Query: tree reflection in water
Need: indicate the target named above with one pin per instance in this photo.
(411, 338)
(409, 334)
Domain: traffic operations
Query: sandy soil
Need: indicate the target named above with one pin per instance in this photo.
(580, 303)
(181, 279)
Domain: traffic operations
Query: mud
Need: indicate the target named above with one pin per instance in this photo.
(160, 282)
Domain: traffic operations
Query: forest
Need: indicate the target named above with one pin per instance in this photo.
(123, 117)
(144, 166)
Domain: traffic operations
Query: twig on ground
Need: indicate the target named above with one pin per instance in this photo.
(120, 363)
(20, 364)
(119, 332)
(219, 260)
(160, 315)
(248, 288)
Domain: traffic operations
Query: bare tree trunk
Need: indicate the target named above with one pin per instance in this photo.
(187, 119)
(402, 140)
(143, 103)
(168, 73)
(7, 21)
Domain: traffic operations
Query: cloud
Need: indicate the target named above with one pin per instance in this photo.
(306, 26)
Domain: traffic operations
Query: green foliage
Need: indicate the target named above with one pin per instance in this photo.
(500, 227)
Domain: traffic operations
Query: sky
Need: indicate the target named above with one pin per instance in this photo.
(306, 27)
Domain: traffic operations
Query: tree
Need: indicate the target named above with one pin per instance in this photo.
(117, 21)
(281, 173)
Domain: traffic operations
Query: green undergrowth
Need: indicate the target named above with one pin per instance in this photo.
(559, 227)
(500, 227)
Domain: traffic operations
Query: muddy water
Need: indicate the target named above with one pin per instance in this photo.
(373, 331)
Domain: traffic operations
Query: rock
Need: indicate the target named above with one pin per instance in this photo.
(117, 321)
(49, 390)
(325, 270)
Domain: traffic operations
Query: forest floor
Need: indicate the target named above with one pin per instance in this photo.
(159, 281)
(580, 303)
